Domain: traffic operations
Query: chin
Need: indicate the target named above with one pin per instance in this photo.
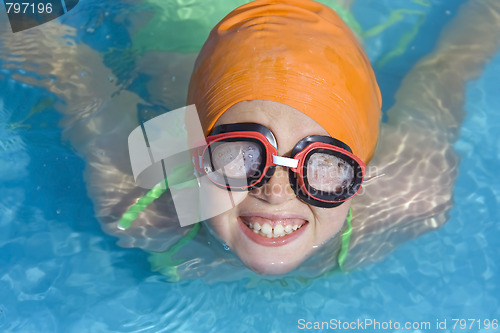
(269, 267)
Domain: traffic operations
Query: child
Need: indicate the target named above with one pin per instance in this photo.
(293, 68)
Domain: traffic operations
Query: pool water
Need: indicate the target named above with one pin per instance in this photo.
(60, 273)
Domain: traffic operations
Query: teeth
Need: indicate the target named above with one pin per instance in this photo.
(279, 230)
(268, 231)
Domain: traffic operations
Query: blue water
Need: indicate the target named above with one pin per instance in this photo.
(60, 273)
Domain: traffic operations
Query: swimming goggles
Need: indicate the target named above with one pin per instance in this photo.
(322, 170)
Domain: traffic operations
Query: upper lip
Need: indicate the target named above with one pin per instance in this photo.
(275, 218)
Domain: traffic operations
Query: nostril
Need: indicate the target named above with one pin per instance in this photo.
(277, 189)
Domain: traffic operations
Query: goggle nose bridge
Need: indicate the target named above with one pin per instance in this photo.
(285, 161)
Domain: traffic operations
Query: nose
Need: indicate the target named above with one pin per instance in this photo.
(277, 190)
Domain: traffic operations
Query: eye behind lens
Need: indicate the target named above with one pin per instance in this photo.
(236, 159)
(328, 173)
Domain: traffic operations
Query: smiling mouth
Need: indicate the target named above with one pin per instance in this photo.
(272, 229)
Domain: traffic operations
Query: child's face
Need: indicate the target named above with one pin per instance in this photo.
(276, 200)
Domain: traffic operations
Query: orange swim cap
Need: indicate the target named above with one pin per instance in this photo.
(296, 52)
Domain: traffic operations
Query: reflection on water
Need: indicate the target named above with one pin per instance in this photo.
(98, 93)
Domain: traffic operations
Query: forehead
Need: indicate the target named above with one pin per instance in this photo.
(288, 124)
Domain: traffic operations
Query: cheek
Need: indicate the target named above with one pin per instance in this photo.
(329, 221)
(216, 204)
(223, 227)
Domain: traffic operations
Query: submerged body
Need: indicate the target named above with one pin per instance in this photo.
(414, 161)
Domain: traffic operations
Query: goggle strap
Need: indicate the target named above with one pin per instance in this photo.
(285, 161)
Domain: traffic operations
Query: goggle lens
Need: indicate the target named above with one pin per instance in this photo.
(329, 173)
(237, 160)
